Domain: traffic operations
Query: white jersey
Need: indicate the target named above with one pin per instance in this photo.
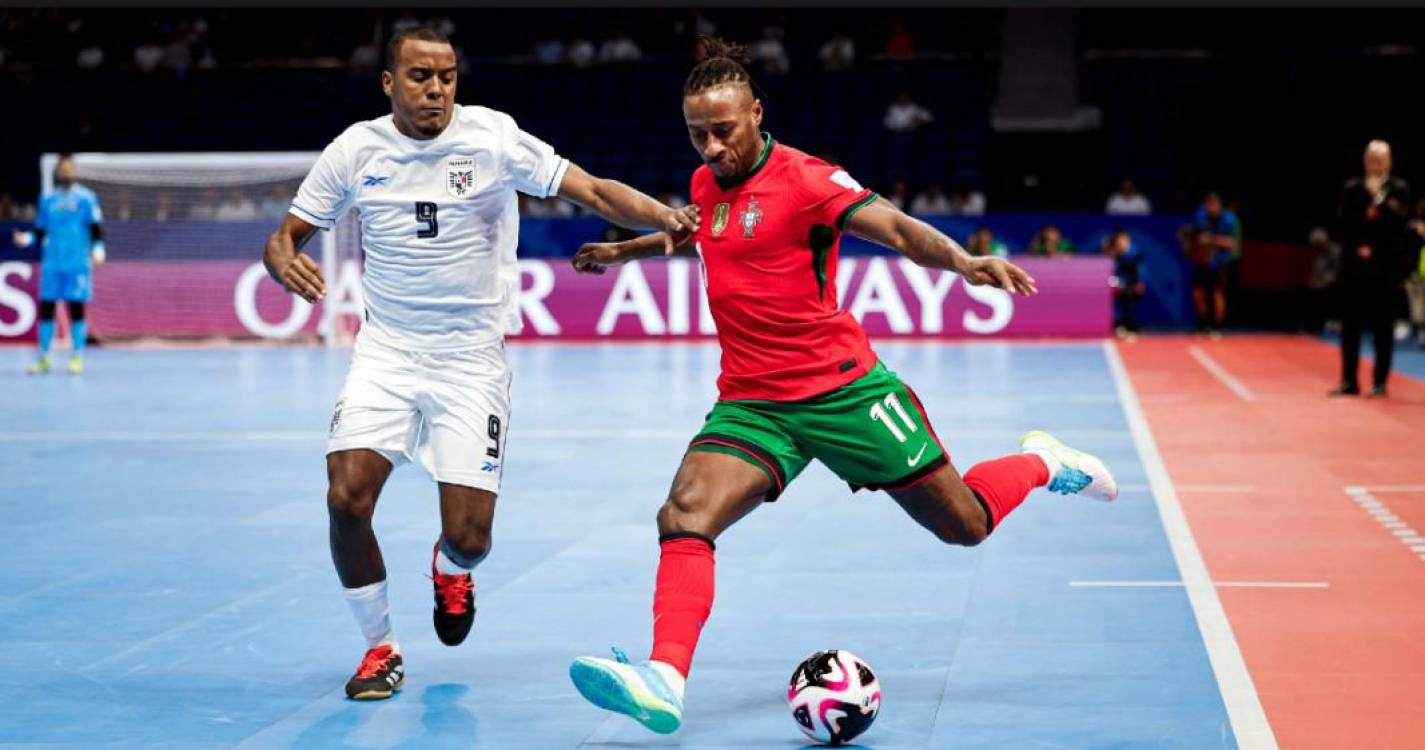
(439, 223)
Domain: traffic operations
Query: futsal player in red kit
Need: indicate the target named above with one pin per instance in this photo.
(799, 378)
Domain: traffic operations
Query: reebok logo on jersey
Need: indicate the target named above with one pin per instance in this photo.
(490, 466)
(373, 180)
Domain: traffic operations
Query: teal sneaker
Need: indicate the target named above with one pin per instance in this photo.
(1079, 473)
(635, 690)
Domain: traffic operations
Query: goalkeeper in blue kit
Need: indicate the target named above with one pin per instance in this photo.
(68, 226)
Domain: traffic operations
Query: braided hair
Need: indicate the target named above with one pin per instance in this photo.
(724, 63)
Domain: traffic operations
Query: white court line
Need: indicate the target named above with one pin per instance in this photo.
(1384, 516)
(1239, 695)
(1219, 584)
(1217, 489)
(1222, 375)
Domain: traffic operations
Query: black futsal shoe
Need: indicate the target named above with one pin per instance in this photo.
(454, 604)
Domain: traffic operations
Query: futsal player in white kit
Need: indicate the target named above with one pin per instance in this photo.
(434, 185)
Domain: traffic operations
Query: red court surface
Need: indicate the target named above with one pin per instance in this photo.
(1308, 513)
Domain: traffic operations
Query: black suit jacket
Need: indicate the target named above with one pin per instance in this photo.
(1383, 230)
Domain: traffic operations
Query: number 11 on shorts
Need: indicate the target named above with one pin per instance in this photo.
(879, 413)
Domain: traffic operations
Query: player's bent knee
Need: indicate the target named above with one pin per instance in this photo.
(686, 509)
(467, 547)
(960, 530)
(351, 503)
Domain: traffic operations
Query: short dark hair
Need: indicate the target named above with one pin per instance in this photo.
(419, 33)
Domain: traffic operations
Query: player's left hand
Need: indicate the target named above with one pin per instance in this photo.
(596, 257)
(998, 272)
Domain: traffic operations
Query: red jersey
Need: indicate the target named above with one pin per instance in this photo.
(769, 241)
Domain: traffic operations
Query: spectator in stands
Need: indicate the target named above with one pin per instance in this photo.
(1051, 243)
(205, 207)
(274, 204)
(163, 206)
(581, 52)
(619, 48)
(900, 45)
(364, 58)
(931, 202)
(407, 20)
(983, 242)
(900, 193)
(1210, 244)
(148, 55)
(1319, 306)
(91, 53)
(1128, 201)
(125, 209)
(905, 116)
(1129, 281)
(694, 23)
(237, 207)
(1371, 218)
(967, 201)
(8, 210)
(838, 52)
(770, 52)
(548, 50)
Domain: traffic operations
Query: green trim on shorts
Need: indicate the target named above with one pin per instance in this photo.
(872, 432)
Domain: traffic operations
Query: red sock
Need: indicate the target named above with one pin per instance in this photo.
(682, 599)
(1003, 483)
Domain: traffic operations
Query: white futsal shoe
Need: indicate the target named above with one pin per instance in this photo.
(1071, 472)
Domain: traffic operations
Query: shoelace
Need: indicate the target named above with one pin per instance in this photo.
(375, 660)
(452, 591)
(620, 656)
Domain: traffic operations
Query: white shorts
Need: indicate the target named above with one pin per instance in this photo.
(447, 411)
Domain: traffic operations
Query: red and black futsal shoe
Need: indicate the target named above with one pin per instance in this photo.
(454, 604)
(381, 673)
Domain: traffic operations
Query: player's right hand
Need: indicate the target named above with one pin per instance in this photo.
(302, 277)
(679, 224)
(595, 257)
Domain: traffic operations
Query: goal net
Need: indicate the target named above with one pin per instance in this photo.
(184, 234)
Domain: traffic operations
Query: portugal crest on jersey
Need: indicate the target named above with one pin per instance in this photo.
(460, 177)
(720, 214)
(751, 215)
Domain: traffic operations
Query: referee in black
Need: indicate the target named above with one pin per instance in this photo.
(1371, 224)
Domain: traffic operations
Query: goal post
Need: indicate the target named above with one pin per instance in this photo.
(185, 233)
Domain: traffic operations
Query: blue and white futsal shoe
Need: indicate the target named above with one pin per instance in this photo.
(635, 690)
(1072, 472)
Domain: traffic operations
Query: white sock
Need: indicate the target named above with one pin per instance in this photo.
(1050, 462)
(372, 612)
(446, 566)
(670, 675)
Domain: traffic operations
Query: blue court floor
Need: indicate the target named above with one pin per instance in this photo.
(165, 578)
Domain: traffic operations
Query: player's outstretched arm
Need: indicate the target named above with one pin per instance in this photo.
(595, 257)
(884, 224)
(627, 207)
(295, 271)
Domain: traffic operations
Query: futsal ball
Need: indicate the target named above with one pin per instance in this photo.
(834, 696)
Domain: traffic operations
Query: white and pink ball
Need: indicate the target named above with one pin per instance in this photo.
(834, 696)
